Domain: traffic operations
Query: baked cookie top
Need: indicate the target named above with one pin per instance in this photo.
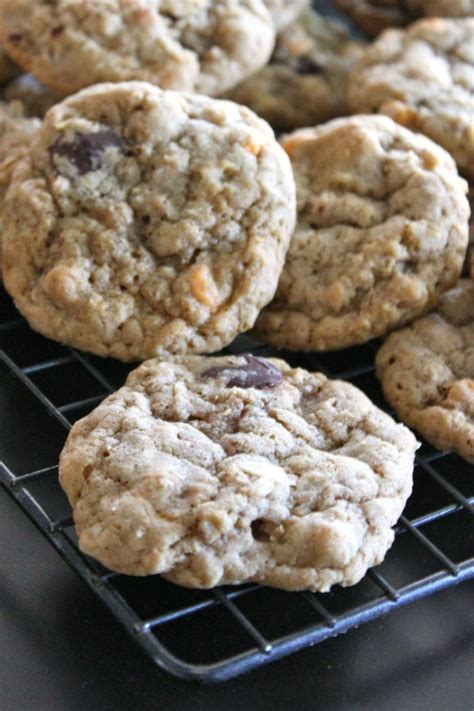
(144, 221)
(35, 97)
(381, 232)
(427, 372)
(226, 470)
(285, 11)
(305, 82)
(423, 77)
(191, 45)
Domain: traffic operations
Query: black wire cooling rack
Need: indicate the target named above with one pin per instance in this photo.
(214, 635)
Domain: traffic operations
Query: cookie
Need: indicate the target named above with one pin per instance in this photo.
(427, 372)
(219, 471)
(423, 77)
(305, 82)
(194, 45)
(440, 8)
(373, 16)
(381, 232)
(8, 69)
(16, 134)
(284, 12)
(35, 96)
(144, 221)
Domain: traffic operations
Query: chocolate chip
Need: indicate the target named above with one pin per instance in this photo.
(305, 65)
(15, 37)
(85, 150)
(254, 373)
(55, 31)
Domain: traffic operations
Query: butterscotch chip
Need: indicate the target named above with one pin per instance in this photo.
(423, 77)
(381, 232)
(305, 82)
(192, 45)
(215, 471)
(139, 223)
(427, 372)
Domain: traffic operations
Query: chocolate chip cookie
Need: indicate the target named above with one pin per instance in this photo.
(423, 77)
(144, 221)
(215, 471)
(193, 45)
(427, 372)
(305, 82)
(381, 232)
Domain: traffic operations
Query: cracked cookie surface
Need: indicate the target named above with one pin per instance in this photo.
(193, 45)
(423, 77)
(427, 372)
(381, 231)
(305, 82)
(216, 471)
(143, 222)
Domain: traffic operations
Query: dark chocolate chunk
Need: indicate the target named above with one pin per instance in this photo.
(85, 150)
(56, 31)
(15, 37)
(254, 373)
(305, 65)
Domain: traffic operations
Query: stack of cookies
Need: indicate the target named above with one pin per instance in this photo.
(148, 212)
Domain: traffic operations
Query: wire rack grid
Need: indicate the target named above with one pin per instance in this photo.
(215, 635)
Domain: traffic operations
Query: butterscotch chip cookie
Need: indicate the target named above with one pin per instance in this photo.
(373, 16)
(284, 12)
(216, 471)
(145, 221)
(35, 97)
(305, 82)
(427, 372)
(193, 45)
(423, 77)
(381, 232)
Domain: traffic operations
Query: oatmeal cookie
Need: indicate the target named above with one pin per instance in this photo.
(427, 372)
(305, 82)
(216, 471)
(423, 77)
(193, 45)
(144, 221)
(381, 232)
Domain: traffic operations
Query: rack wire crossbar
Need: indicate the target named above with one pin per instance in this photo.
(322, 618)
